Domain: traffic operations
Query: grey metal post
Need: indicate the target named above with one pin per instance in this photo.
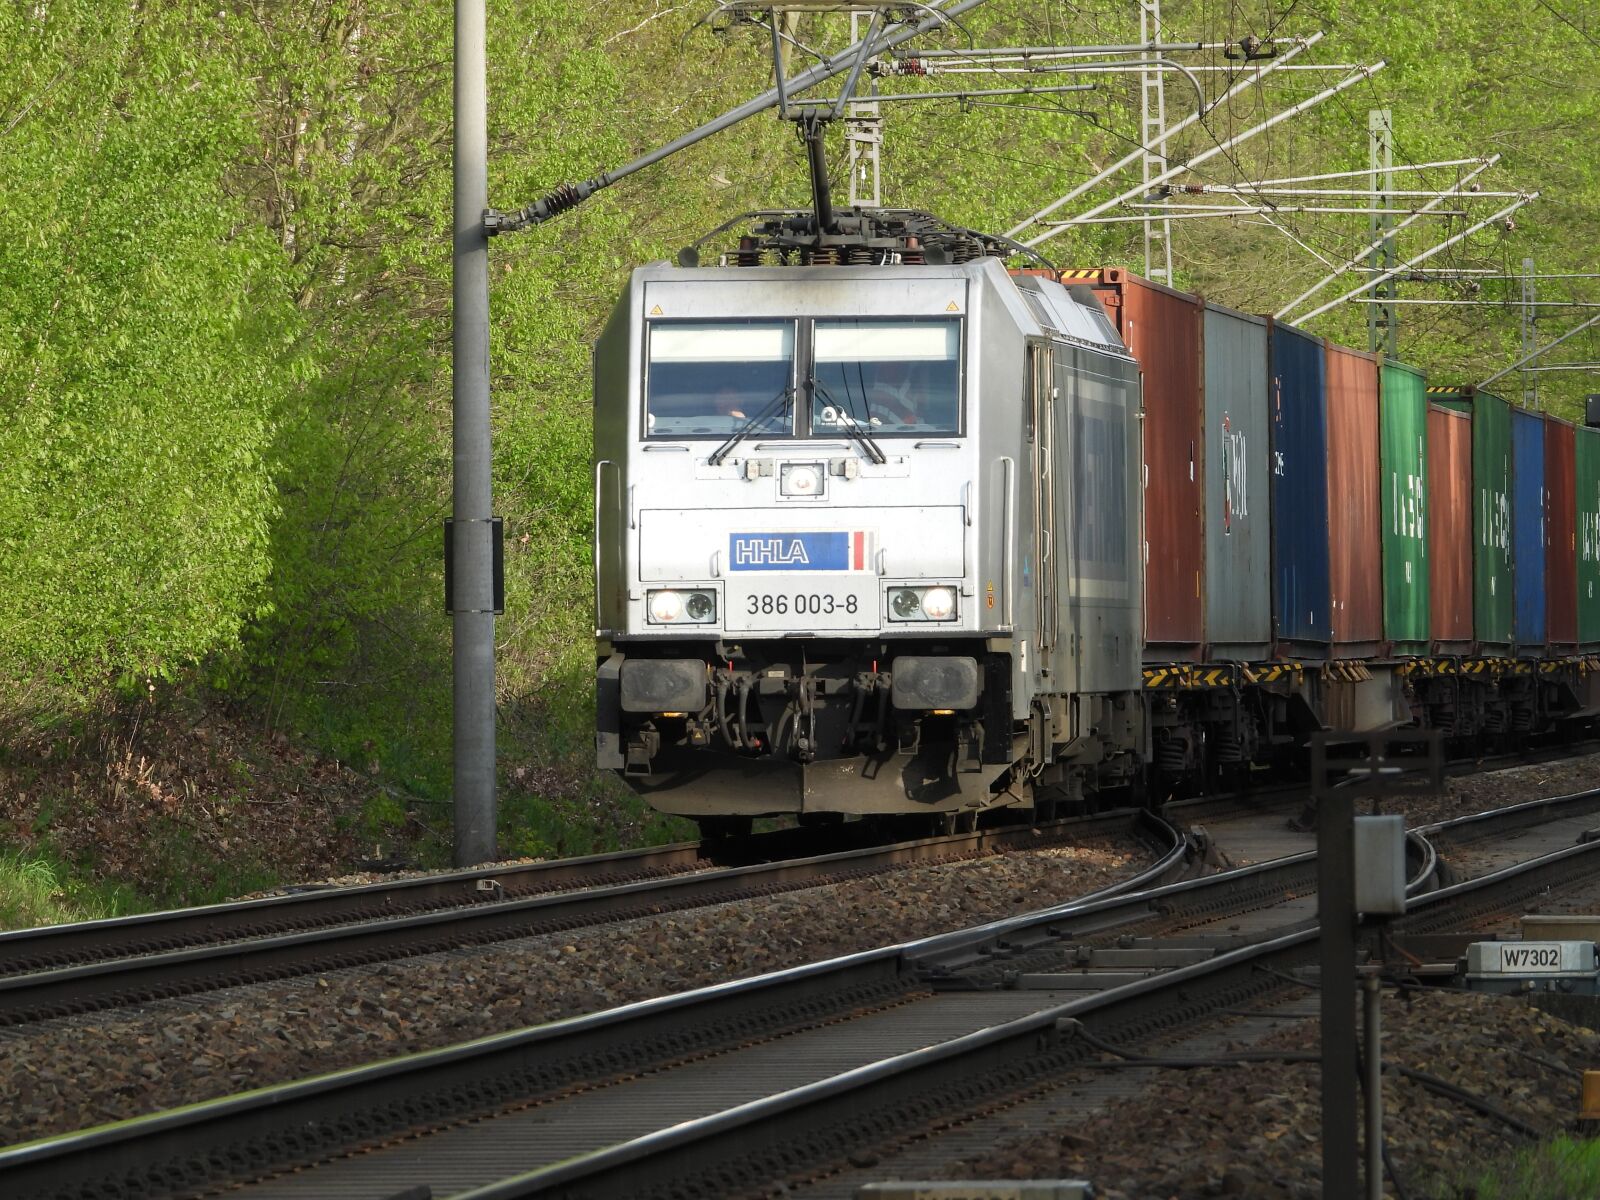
(473, 601)
(1383, 330)
(1336, 914)
(1372, 1062)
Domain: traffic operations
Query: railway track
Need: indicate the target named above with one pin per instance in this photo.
(733, 1086)
(64, 970)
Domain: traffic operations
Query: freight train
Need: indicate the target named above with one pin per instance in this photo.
(883, 527)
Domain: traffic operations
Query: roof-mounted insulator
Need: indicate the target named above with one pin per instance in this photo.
(899, 66)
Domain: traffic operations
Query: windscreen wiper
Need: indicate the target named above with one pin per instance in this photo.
(852, 428)
(774, 406)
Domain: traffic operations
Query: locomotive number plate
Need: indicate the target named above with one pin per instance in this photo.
(800, 605)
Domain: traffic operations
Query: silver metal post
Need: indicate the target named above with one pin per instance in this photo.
(473, 586)
(1372, 1065)
(1153, 133)
(1382, 320)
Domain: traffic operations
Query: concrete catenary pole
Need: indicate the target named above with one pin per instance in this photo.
(472, 535)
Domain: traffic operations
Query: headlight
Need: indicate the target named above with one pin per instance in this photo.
(905, 604)
(800, 479)
(939, 603)
(681, 608)
(665, 607)
(922, 604)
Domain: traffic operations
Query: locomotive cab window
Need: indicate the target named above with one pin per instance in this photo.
(711, 378)
(887, 376)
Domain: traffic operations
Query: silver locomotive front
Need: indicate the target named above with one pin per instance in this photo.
(808, 587)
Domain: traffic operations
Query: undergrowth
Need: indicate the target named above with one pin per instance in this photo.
(1564, 1168)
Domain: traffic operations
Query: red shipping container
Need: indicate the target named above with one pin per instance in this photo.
(1355, 521)
(1560, 534)
(1450, 530)
(1161, 328)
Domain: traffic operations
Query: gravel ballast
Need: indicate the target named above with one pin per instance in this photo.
(1255, 1130)
(78, 1072)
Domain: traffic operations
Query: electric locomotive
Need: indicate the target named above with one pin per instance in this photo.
(867, 513)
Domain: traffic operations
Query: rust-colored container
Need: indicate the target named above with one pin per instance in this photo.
(1161, 328)
(1560, 535)
(1450, 530)
(1355, 526)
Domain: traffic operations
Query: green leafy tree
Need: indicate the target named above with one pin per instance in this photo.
(142, 342)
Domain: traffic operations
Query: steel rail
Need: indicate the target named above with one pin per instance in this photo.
(313, 1119)
(1002, 1058)
(24, 950)
(250, 1131)
(95, 985)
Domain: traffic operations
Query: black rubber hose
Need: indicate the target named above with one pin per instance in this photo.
(722, 716)
(742, 693)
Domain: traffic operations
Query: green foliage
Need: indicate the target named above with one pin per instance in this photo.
(38, 890)
(1562, 1169)
(141, 348)
(225, 308)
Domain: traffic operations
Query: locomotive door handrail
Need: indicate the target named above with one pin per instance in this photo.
(599, 471)
(1008, 530)
(1041, 384)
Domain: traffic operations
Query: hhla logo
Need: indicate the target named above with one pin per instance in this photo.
(769, 551)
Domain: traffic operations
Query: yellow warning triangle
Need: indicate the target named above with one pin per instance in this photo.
(952, 307)
(656, 311)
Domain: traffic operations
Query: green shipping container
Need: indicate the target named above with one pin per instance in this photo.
(1403, 465)
(1588, 488)
(1492, 592)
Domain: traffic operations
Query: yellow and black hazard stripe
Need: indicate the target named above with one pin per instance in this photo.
(1430, 666)
(1189, 675)
(1082, 275)
(1444, 389)
(1276, 672)
(1492, 667)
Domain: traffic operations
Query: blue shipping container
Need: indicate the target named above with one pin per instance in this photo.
(1301, 607)
(1527, 530)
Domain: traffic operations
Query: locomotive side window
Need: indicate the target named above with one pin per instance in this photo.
(711, 378)
(887, 376)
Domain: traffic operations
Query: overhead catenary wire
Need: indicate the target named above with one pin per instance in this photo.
(571, 194)
(1360, 255)
(1423, 257)
(1016, 91)
(1254, 78)
(1528, 358)
(1221, 147)
(1241, 209)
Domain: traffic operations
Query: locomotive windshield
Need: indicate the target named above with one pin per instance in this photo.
(709, 378)
(887, 376)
